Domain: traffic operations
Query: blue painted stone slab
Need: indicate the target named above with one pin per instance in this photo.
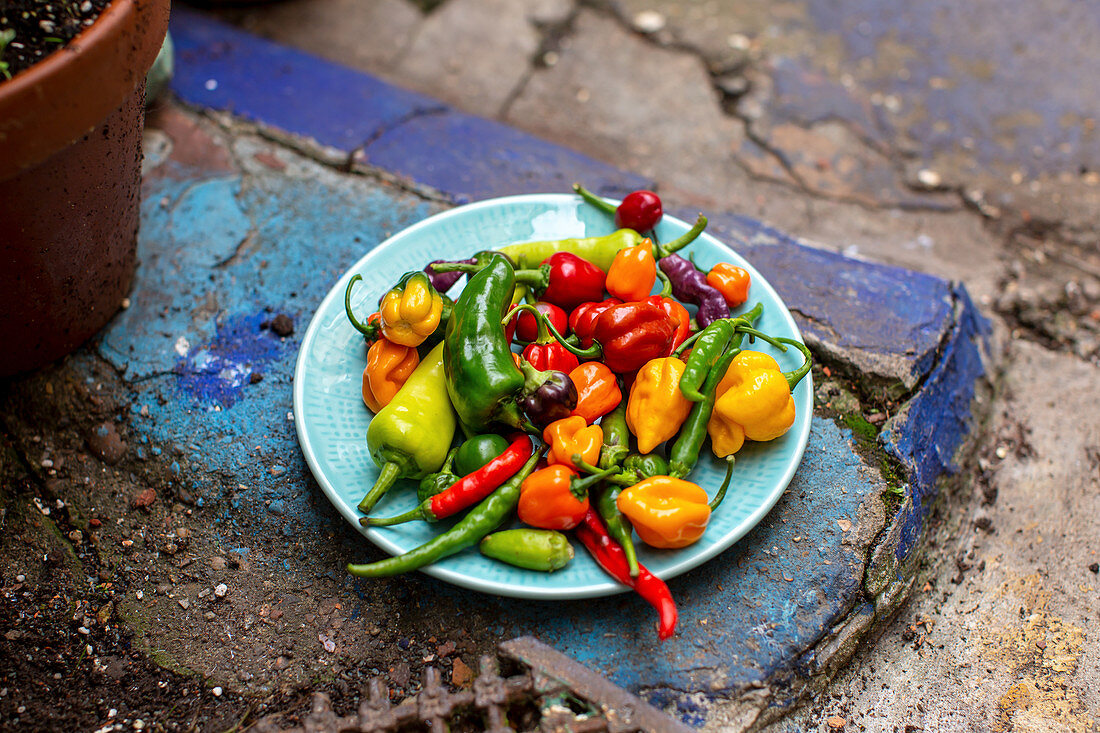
(887, 321)
(408, 134)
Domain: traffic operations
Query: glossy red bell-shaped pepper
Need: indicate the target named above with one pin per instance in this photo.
(527, 327)
(572, 280)
(679, 315)
(633, 333)
(582, 321)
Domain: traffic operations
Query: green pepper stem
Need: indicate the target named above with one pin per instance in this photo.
(367, 329)
(664, 250)
(621, 479)
(578, 487)
(725, 485)
(415, 513)
(389, 474)
(666, 284)
(593, 199)
(763, 337)
(795, 376)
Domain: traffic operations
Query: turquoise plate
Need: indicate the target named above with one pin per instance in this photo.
(331, 419)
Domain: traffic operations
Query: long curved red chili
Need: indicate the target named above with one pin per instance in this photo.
(610, 556)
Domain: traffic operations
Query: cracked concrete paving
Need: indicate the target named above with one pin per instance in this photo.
(957, 140)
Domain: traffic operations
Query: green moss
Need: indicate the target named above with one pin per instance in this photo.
(863, 430)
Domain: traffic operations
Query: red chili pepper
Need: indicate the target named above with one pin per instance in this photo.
(527, 328)
(610, 556)
(582, 321)
(469, 489)
(572, 280)
(679, 315)
(633, 333)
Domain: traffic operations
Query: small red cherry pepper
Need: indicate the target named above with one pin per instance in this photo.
(572, 280)
(527, 327)
(545, 353)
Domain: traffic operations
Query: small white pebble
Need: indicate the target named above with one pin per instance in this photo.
(217, 692)
(20, 578)
(220, 590)
(649, 21)
(739, 42)
(86, 6)
(929, 178)
(140, 594)
(125, 303)
(46, 463)
(1002, 451)
(139, 724)
(211, 84)
(84, 630)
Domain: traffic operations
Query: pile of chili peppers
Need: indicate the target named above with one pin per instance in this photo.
(583, 397)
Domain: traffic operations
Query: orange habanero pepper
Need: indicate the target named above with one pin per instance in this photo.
(598, 390)
(632, 272)
(571, 436)
(731, 281)
(666, 512)
(388, 366)
(550, 498)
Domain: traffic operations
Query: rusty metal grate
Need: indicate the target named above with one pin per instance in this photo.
(554, 692)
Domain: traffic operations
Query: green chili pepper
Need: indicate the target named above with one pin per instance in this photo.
(410, 437)
(525, 547)
(483, 381)
(685, 451)
(475, 452)
(478, 522)
(647, 465)
(616, 436)
(708, 347)
(618, 526)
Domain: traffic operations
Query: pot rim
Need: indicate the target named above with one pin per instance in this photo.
(64, 96)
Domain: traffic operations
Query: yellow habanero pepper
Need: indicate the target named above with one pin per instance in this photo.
(411, 311)
(666, 512)
(753, 401)
(656, 408)
(572, 436)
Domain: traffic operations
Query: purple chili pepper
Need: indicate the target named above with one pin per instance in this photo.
(444, 281)
(554, 399)
(690, 285)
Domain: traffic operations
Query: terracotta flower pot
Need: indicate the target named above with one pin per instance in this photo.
(70, 175)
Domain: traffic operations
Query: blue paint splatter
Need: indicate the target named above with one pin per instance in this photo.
(217, 372)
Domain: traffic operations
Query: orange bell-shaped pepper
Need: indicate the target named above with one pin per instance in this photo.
(550, 498)
(572, 436)
(388, 366)
(411, 311)
(632, 272)
(656, 408)
(753, 401)
(731, 281)
(666, 512)
(598, 390)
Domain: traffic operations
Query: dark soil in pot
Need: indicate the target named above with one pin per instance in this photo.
(30, 30)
